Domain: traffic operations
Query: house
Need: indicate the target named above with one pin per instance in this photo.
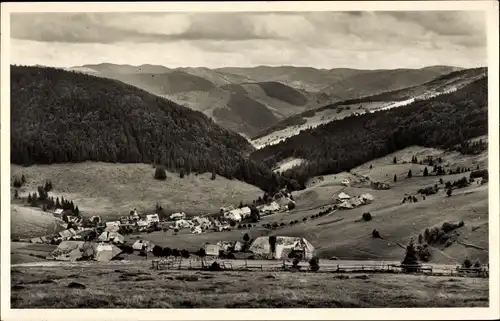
(111, 237)
(367, 198)
(152, 218)
(285, 247)
(245, 212)
(66, 234)
(141, 225)
(112, 228)
(343, 196)
(113, 223)
(58, 212)
(183, 224)
(139, 244)
(196, 230)
(346, 182)
(76, 250)
(203, 222)
(36, 240)
(346, 204)
(178, 216)
(269, 208)
(212, 249)
(233, 215)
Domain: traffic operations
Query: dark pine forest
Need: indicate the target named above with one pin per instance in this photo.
(59, 116)
(445, 121)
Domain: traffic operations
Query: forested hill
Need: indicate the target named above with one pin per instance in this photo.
(59, 116)
(443, 121)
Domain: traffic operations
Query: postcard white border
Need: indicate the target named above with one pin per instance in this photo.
(491, 10)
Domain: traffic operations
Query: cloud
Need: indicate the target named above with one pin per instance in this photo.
(322, 39)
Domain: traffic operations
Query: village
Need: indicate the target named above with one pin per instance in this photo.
(93, 238)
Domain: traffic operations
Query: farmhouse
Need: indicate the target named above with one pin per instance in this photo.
(77, 250)
(111, 237)
(269, 208)
(182, 224)
(233, 215)
(343, 196)
(245, 212)
(58, 212)
(139, 244)
(285, 247)
(196, 230)
(152, 218)
(178, 216)
(212, 249)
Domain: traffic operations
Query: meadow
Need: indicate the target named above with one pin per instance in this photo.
(113, 285)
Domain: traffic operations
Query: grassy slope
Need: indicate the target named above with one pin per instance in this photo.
(398, 222)
(136, 286)
(112, 190)
(30, 222)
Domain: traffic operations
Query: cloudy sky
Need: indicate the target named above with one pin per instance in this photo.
(365, 40)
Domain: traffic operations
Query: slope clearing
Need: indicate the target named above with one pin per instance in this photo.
(112, 190)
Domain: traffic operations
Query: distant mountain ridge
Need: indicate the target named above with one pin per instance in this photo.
(295, 124)
(284, 91)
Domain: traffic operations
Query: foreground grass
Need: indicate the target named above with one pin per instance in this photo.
(115, 286)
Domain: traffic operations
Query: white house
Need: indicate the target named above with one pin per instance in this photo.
(270, 208)
(343, 196)
(113, 223)
(234, 215)
(178, 216)
(346, 182)
(245, 212)
(183, 224)
(152, 218)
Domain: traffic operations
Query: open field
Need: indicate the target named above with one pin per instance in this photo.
(112, 190)
(113, 285)
(32, 222)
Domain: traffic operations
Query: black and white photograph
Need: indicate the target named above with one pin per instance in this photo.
(266, 158)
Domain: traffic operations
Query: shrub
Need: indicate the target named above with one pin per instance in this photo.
(314, 264)
(246, 237)
(411, 258)
(367, 217)
(185, 254)
(166, 252)
(160, 173)
(448, 192)
(291, 205)
(376, 234)
(215, 267)
(127, 249)
(157, 250)
(282, 224)
(467, 263)
(424, 254)
(304, 219)
(296, 262)
(477, 264)
(483, 173)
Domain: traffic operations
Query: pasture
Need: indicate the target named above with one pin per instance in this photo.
(136, 285)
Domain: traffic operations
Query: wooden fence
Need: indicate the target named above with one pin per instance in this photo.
(179, 264)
